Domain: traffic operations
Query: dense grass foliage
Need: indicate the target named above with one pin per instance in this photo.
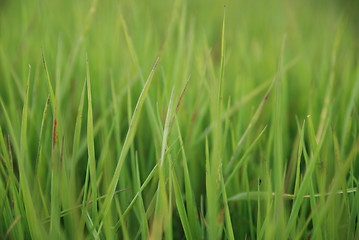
(179, 119)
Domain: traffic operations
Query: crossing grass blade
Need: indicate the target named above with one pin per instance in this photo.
(242, 161)
(40, 169)
(144, 225)
(77, 134)
(35, 227)
(213, 182)
(127, 143)
(162, 204)
(305, 183)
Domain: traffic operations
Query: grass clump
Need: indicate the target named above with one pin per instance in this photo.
(183, 119)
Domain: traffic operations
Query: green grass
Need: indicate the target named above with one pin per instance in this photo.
(179, 119)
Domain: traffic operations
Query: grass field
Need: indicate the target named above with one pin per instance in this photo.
(179, 119)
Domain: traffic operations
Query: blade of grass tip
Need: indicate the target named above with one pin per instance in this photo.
(35, 227)
(90, 142)
(220, 93)
(229, 227)
(251, 95)
(53, 105)
(52, 94)
(127, 143)
(149, 107)
(180, 100)
(217, 138)
(166, 130)
(58, 66)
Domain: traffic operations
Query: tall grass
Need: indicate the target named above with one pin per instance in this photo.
(179, 119)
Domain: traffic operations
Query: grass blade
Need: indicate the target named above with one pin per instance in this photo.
(127, 143)
(90, 142)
